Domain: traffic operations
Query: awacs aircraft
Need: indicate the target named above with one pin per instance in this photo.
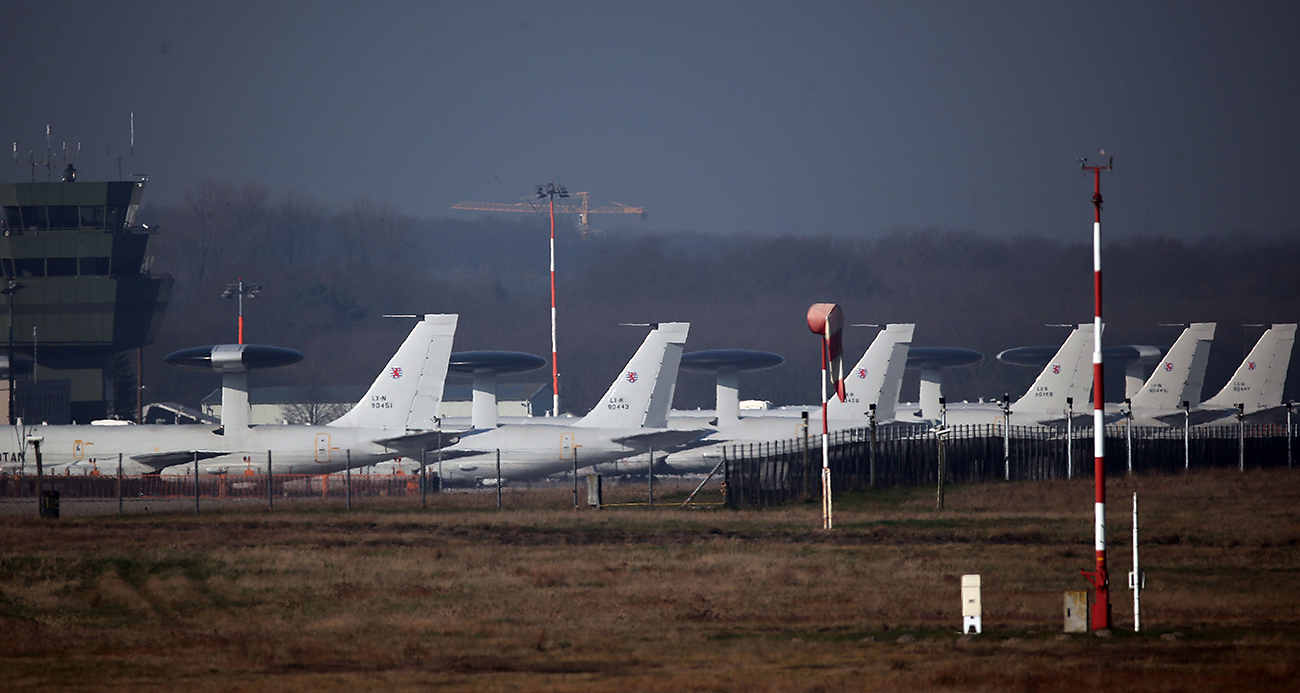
(393, 419)
(630, 419)
(1256, 385)
(875, 379)
(1177, 379)
(1068, 375)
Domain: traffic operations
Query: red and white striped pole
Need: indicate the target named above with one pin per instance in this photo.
(1099, 578)
(555, 366)
(551, 190)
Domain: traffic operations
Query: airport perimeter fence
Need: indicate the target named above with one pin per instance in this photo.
(106, 494)
(909, 455)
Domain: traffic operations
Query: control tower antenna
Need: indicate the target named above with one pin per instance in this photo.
(1099, 578)
(48, 162)
(121, 156)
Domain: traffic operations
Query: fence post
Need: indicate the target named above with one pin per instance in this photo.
(424, 481)
(1241, 437)
(1006, 446)
(270, 483)
(119, 484)
(1187, 435)
(196, 483)
(1288, 435)
(871, 418)
(1069, 437)
(499, 482)
(650, 474)
(347, 477)
(1128, 433)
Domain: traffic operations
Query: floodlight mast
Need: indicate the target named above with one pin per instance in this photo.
(551, 190)
(1099, 578)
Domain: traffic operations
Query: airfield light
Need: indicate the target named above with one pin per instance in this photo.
(552, 191)
(1099, 578)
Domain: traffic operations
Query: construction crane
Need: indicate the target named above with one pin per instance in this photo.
(533, 204)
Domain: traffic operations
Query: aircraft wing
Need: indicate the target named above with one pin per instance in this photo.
(424, 440)
(159, 460)
(662, 440)
(1197, 417)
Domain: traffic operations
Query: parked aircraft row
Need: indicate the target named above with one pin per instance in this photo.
(400, 413)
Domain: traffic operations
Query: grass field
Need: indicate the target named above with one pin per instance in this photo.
(630, 599)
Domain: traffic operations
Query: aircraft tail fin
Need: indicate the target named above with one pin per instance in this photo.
(408, 392)
(877, 377)
(1068, 374)
(643, 391)
(1179, 377)
(1259, 379)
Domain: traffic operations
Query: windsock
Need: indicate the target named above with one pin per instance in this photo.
(827, 320)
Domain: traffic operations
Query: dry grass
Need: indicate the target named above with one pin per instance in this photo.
(663, 600)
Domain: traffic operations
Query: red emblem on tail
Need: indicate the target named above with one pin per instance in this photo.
(631, 376)
(395, 373)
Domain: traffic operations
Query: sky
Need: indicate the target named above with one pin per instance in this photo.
(758, 117)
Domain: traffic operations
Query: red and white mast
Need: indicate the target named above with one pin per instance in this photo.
(551, 190)
(1099, 578)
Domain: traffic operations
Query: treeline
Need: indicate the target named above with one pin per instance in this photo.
(330, 274)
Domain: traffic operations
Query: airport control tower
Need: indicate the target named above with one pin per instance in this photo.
(77, 269)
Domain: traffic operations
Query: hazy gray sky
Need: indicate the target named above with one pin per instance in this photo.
(761, 116)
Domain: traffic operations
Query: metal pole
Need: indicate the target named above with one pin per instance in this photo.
(1069, 437)
(270, 483)
(828, 521)
(40, 478)
(441, 481)
(871, 418)
(1241, 437)
(424, 482)
(1099, 578)
(551, 191)
(1288, 435)
(943, 431)
(1135, 578)
(196, 483)
(650, 475)
(499, 482)
(1128, 434)
(347, 478)
(1006, 436)
(1187, 435)
(119, 484)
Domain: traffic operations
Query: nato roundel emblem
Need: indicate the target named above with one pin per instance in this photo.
(1250, 366)
(862, 373)
(1056, 368)
(1169, 366)
(395, 372)
(631, 376)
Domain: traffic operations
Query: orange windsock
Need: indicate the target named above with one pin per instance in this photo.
(827, 320)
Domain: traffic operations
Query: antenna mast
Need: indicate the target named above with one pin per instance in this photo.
(1099, 578)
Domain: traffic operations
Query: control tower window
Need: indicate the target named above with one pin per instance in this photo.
(116, 215)
(92, 216)
(34, 217)
(63, 217)
(94, 265)
(29, 267)
(61, 267)
(14, 218)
